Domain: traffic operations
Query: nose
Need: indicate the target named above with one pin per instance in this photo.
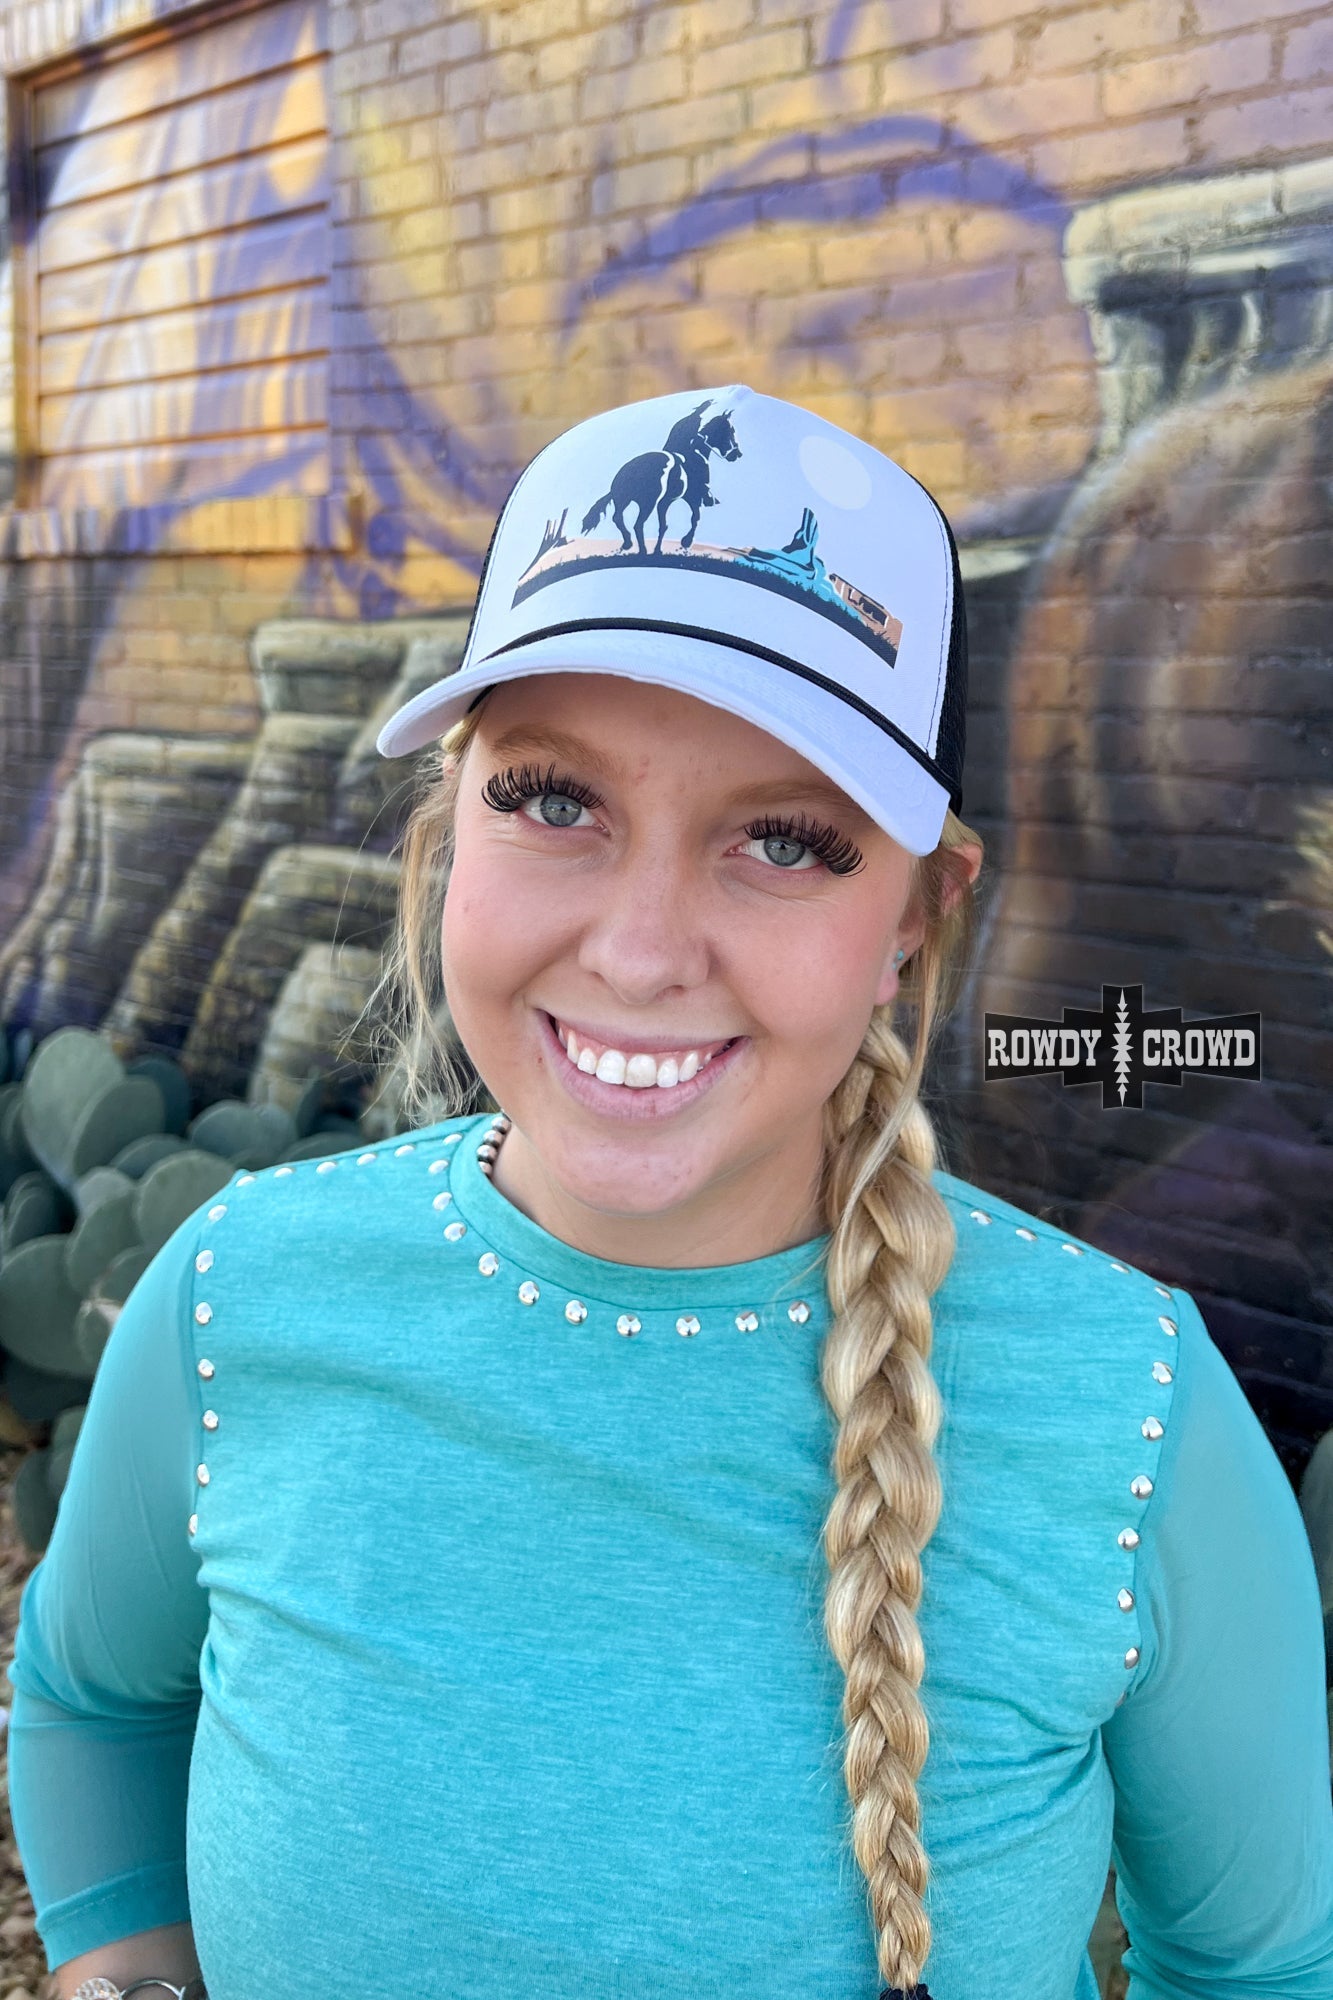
(646, 933)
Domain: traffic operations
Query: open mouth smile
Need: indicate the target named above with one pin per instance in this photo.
(640, 1078)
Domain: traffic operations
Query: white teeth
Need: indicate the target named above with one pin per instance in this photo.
(637, 1072)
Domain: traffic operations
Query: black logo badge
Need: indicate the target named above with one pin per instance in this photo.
(1122, 1047)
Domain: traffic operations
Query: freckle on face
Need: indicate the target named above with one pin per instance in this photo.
(664, 922)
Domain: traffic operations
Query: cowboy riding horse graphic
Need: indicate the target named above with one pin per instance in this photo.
(654, 479)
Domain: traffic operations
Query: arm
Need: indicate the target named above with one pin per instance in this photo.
(167, 1953)
(106, 1663)
(1220, 1753)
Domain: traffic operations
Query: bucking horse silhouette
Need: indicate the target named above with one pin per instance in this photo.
(654, 479)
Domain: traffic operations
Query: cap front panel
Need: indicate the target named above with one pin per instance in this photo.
(740, 515)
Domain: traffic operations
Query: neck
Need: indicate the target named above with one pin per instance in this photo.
(755, 1211)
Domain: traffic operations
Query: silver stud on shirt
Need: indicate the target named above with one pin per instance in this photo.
(194, 1523)
(1125, 1599)
(1141, 1487)
(1128, 1538)
(201, 1474)
(203, 1312)
(207, 1370)
(798, 1312)
(576, 1312)
(628, 1323)
(1168, 1326)
(210, 1420)
(747, 1322)
(1163, 1291)
(442, 1200)
(488, 1263)
(246, 1180)
(1160, 1372)
(399, 1151)
(1118, 1267)
(204, 1261)
(438, 1167)
(1028, 1235)
(218, 1210)
(1074, 1249)
(1132, 1657)
(528, 1293)
(365, 1159)
(453, 1230)
(327, 1167)
(687, 1324)
(979, 1215)
(283, 1173)
(452, 1138)
(1151, 1428)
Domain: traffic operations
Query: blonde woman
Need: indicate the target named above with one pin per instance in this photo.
(673, 1538)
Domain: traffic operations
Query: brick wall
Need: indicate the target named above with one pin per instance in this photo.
(1069, 264)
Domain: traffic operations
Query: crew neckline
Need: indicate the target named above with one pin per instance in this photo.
(496, 1224)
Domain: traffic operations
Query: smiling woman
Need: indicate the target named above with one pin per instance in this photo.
(523, 1434)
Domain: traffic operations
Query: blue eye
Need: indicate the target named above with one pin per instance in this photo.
(557, 809)
(798, 844)
(785, 852)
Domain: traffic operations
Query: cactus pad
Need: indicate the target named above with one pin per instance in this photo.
(33, 1502)
(129, 1110)
(36, 1396)
(38, 1307)
(102, 1184)
(173, 1189)
(64, 1436)
(174, 1085)
(141, 1154)
(99, 1236)
(69, 1069)
(34, 1206)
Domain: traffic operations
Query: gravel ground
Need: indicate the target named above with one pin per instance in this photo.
(23, 1974)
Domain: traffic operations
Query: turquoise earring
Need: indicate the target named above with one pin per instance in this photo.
(900, 956)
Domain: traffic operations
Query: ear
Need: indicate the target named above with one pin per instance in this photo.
(906, 943)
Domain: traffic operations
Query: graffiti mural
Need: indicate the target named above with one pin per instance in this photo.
(296, 332)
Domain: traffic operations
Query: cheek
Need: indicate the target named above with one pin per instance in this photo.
(501, 927)
(813, 987)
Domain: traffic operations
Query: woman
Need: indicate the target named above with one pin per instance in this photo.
(441, 1557)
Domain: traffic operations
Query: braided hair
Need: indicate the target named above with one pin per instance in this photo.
(891, 1244)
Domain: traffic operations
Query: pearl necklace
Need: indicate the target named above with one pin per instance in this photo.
(491, 1143)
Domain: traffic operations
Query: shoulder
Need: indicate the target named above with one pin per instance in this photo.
(338, 1197)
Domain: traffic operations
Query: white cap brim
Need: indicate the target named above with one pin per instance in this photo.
(874, 770)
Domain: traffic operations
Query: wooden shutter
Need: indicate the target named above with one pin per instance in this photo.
(179, 268)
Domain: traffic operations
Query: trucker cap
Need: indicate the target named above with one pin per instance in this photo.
(740, 549)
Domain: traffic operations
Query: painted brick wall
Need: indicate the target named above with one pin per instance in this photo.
(1071, 265)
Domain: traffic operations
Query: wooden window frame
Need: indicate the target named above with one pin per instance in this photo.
(271, 523)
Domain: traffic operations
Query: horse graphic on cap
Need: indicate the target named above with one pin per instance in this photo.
(653, 479)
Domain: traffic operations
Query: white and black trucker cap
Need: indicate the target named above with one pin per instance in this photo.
(740, 549)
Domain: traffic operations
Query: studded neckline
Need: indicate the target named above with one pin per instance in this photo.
(493, 1223)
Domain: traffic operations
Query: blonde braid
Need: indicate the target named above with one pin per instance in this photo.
(891, 1245)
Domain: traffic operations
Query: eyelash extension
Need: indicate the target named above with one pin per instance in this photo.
(508, 790)
(839, 855)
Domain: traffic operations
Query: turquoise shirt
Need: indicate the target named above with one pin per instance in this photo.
(416, 1632)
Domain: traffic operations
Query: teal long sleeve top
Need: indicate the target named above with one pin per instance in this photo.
(435, 1609)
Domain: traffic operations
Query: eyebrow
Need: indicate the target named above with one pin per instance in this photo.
(523, 740)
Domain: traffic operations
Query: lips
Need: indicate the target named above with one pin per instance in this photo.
(660, 1068)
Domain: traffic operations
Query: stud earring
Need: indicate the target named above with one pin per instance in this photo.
(899, 958)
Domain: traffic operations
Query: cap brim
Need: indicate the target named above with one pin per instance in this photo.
(874, 770)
